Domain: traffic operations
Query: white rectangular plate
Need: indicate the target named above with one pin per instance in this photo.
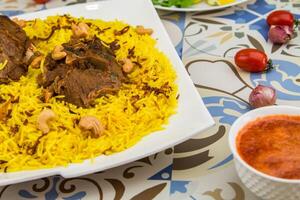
(191, 118)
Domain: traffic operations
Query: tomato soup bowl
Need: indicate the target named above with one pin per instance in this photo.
(263, 185)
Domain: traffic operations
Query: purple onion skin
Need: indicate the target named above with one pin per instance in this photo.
(262, 96)
(280, 34)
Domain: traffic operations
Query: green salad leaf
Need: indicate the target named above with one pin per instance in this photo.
(177, 3)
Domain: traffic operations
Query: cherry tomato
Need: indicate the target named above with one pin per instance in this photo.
(252, 60)
(281, 17)
(41, 1)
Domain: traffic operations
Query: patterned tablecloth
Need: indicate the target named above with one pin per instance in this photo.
(200, 168)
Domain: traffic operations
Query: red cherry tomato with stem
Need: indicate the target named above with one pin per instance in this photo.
(282, 17)
(252, 60)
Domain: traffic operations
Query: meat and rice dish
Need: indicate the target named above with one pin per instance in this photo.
(73, 89)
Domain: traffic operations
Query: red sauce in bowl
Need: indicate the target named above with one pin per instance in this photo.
(271, 145)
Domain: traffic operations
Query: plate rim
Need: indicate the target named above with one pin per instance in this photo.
(191, 9)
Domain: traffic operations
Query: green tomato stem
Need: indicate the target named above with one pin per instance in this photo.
(296, 24)
(269, 66)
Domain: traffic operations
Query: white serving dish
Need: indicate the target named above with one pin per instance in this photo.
(200, 7)
(191, 118)
(263, 185)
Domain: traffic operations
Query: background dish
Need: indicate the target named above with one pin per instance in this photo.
(191, 118)
(200, 7)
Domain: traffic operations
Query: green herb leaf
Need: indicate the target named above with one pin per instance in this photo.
(177, 3)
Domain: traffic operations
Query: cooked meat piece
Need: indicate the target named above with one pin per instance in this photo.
(13, 46)
(88, 71)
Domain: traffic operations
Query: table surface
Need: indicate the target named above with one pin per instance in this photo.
(200, 168)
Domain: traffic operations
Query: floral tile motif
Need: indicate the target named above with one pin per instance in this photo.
(241, 16)
(209, 44)
(174, 23)
(261, 7)
(200, 168)
(225, 188)
(147, 178)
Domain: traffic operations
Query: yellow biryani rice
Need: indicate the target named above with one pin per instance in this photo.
(128, 116)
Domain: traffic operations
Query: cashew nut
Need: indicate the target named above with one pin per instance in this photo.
(91, 123)
(35, 64)
(58, 53)
(20, 22)
(43, 120)
(141, 30)
(127, 66)
(80, 30)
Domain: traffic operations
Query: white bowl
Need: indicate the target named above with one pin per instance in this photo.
(263, 185)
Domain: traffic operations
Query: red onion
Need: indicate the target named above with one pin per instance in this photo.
(262, 96)
(280, 34)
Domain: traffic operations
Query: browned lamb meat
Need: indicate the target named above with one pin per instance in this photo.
(13, 46)
(88, 71)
